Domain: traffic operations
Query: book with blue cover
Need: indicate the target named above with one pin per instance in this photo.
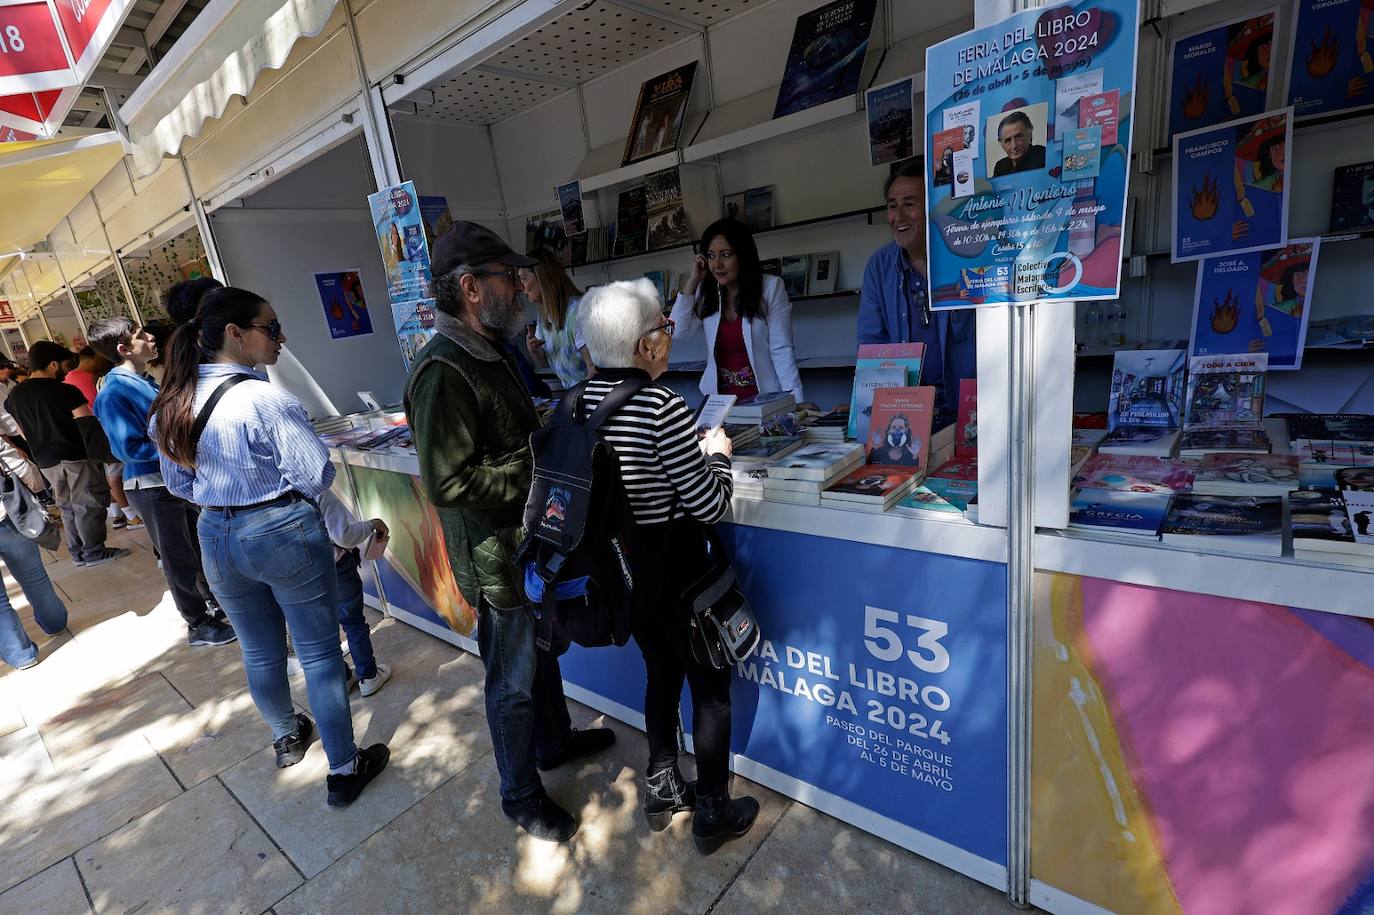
(1145, 408)
(1119, 512)
(1239, 524)
(826, 59)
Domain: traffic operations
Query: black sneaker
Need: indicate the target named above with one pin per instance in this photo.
(541, 817)
(212, 632)
(291, 748)
(344, 789)
(580, 744)
(102, 556)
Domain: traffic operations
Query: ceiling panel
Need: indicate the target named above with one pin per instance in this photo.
(701, 12)
(482, 98)
(585, 44)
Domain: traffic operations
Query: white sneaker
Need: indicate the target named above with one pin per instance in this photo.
(293, 665)
(372, 684)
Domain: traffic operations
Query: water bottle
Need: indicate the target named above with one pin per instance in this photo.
(1092, 335)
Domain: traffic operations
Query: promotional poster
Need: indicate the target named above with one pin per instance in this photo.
(1026, 225)
(400, 229)
(1256, 303)
(1221, 73)
(345, 307)
(827, 55)
(891, 121)
(1332, 66)
(1231, 187)
(414, 327)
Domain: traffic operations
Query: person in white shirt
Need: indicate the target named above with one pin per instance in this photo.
(745, 315)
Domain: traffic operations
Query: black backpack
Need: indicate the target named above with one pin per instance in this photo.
(577, 560)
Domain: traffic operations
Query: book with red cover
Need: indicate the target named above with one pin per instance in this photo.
(1136, 473)
(892, 350)
(956, 469)
(870, 485)
(966, 427)
(899, 432)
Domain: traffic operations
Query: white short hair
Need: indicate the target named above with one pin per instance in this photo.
(612, 319)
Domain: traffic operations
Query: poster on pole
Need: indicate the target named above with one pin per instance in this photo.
(1231, 187)
(1007, 220)
(400, 228)
(1221, 73)
(1258, 302)
(345, 306)
(414, 327)
(1332, 65)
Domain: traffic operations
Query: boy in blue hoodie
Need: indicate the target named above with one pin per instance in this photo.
(122, 407)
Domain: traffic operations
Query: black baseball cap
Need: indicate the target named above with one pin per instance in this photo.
(474, 245)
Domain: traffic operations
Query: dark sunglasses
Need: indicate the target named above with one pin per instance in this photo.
(272, 328)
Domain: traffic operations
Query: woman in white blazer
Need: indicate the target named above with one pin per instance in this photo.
(746, 316)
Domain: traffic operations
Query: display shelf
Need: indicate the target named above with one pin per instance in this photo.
(1348, 118)
(749, 120)
(1286, 581)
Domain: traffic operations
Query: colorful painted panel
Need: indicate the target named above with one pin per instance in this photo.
(1199, 754)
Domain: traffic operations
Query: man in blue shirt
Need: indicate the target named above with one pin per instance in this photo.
(122, 406)
(894, 306)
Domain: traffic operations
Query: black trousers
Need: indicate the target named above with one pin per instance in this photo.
(171, 525)
(661, 632)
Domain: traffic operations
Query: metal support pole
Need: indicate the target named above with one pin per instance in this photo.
(381, 145)
(42, 318)
(207, 235)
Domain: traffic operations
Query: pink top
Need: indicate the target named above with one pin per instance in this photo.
(84, 382)
(734, 373)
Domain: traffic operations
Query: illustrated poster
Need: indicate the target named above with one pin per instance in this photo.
(1020, 228)
(1221, 73)
(345, 307)
(1332, 66)
(400, 229)
(1258, 302)
(1231, 187)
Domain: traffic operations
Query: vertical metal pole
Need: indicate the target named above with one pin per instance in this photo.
(33, 296)
(207, 235)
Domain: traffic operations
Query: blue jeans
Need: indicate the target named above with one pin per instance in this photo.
(351, 617)
(25, 563)
(271, 568)
(526, 709)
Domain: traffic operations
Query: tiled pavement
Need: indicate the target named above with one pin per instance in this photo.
(137, 776)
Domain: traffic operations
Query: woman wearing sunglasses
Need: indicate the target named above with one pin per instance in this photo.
(244, 451)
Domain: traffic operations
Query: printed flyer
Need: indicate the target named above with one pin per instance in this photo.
(1332, 66)
(345, 307)
(414, 327)
(400, 229)
(1221, 73)
(1038, 216)
(1231, 187)
(1257, 302)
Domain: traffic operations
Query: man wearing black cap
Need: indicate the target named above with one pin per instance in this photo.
(66, 442)
(471, 420)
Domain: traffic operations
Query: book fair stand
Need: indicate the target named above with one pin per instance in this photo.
(1112, 651)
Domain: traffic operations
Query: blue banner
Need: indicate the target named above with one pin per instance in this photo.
(1014, 224)
(1332, 67)
(1231, 187)
(1258, 302)
(1221, 74)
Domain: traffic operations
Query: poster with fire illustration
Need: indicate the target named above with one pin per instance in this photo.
(1258, 302)
(1231, 187)
(1332, 66)
(1221, 73)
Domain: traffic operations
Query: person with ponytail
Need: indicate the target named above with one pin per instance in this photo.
(244, 451)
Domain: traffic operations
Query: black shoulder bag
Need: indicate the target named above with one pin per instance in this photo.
(28, 515)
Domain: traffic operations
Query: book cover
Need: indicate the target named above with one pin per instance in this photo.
(923, 499)
(899, 429)
(816, 462)
(768, 448)
(1082, 153)
(1226, 390)
(959, 493)
(1335, 427)
(758, 208)
(659, 114)
(1319, 515)
(763, 404)
(1359, 506)
(795, 268)
(861, 399)
(871, 483)
(956, 469)
(545, 230)
(667, 216)
(824, 271)
(1354, 478)
(945, 144)
(966, 426)
(1257, 302)
(1221, 72)
(1221, 438)
(713, 411)
(1157, 441)
(1223, 473)
(1101, 110)
(1118, 512)
(732, 206)
(909, 355)
(1225, 516)
(1352, 198)
(570, 205)
(891, 124)
(631, 222)
(1136, 473)
(826, 58)
(1147, 389)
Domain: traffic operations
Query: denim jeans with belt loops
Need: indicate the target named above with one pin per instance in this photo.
(25, 563)
(272, 568)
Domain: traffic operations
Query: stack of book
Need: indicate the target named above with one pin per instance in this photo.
(1225, 410)
(1136, 473)
(1236, 524)
(828, 428)
(749, 477)
(755, 410)
(1323, 525)
(1145, 407)
(1115, 511)
(768, 449)
(1230, 474)
(800, 476)
(329, 424)
(743, 436)
(880, 365)
(871, 487)
(897, 449)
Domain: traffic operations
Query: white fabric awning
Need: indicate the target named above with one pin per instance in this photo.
(218, 57)
(44, 180)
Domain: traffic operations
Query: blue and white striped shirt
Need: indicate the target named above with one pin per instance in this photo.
(257, 445)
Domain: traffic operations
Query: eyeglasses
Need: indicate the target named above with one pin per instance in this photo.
(272, 328)
(509, 273)
(668, 326)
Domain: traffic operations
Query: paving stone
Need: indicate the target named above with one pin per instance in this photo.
(457, 850)
(11, 716)
(58, 811)
(211, 738)
(55, 891)
(197, 853)
(144, 704)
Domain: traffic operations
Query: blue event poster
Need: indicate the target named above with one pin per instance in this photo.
(1032, 229)
(1231, 187)
(345, 307)
(1257, 302)
(414, 327)
(400, 227)
(1221, 73)
(1332, 66)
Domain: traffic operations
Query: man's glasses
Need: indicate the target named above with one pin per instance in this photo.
(272, 328)
(668, 326)
(509, 273)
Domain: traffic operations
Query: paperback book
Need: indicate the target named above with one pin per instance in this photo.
(1320, 523)
(1145, 405)
(1241, 524)
(713, 411)
(1359, 505)
(959, 493)
(922, 501)
(758, 210)
(1231, 474)
(631, 222)
(1113, 512)
(866, 380)
(795, 268)
(1136, 473)
(659, 114)
(768, 449)
(956, 469)
(817, 462)
(749, 479)
(761, 406)
(826, 59)
(875, 488)
(966, 426)
(667, 216)
(1225, 408)
(1352, 198)
(899, 431)
(1201, 442)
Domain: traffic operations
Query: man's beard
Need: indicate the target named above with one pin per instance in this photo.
(499, 316)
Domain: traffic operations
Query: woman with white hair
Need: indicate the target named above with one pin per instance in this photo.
(675, 484)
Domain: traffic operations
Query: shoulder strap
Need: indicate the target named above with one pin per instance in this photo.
(203, 417)
(616, 398)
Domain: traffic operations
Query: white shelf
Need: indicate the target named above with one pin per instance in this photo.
(749, 120)
(601, 167)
